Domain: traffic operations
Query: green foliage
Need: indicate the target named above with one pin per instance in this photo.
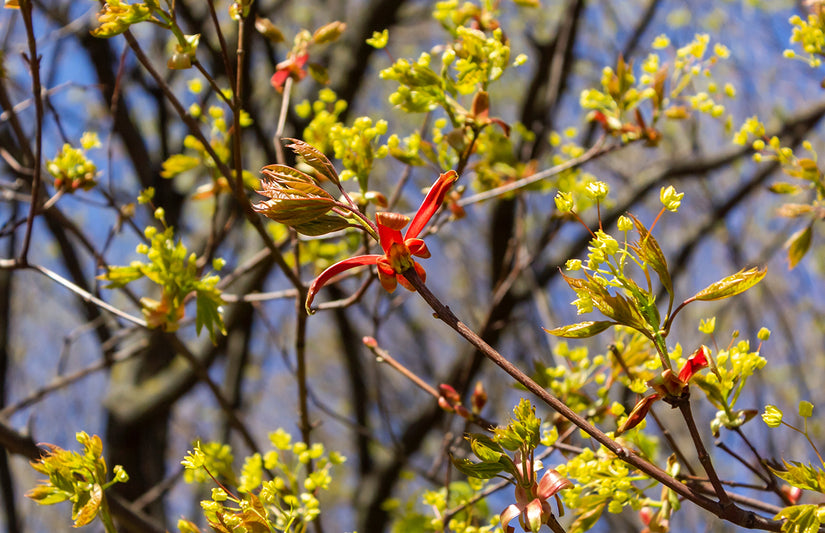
(666, 86)
(801, 518)
(170, 266)
(78, 478)
(459, 505)
(276, 491)
(117, 17)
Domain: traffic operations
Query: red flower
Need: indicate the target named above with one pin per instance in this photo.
(292, 66)
(398, 249)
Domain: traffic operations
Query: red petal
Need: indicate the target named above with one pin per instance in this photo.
(418, 248)
(695, 363)
(388, 280)
(335, 269)
(551, 483)
(431, 203)
(279, 78)
(301, 60)
(388, 231)
(508, 514)
(533, 514)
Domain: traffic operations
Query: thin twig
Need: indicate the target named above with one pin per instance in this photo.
(729, 512)
(34, 65)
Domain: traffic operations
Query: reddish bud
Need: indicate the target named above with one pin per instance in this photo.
(442, 403)
(463, 412)
(370, 342)
(695, 363)
(448, 392)
(479, 398)
(791, 493)
(638, 413)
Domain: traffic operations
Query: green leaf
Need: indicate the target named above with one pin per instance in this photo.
(802, 476)
(618, 307)
(799, 519)
(783, 187)
(485, 448)
(649, 251)
(88, 511)
(314, 158)
(478, 470)
(587, 519)
(732, 285)
(581, 330)
(47, 494)
(177, 164)
(119, 276)
(798, 245)
(208, 313)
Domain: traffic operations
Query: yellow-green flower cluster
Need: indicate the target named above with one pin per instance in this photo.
(71, 168)
(810, 35)
(286, 501)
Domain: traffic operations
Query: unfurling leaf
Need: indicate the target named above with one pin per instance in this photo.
(783, 187)
(314, 158)
(266, 28)
(649, 251)
(732, 285)
(582, 330)
(803, 476)
(793, 210)
(477, 470)
(798, 245)
(485, 448)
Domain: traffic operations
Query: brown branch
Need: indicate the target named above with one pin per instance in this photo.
(728, 511)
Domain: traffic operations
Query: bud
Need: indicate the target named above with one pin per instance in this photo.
(266, 28)
(772, 416)
(479, 398)
(597, 190)
(624, 223)
(329, 32)
(564, 201)
(370, 342)
(638, 413)
(449, 393)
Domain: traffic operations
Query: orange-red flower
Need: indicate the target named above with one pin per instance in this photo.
(292, 66)
(398, 250)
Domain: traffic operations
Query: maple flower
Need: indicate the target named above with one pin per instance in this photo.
(531, 504)
(398, 250)
(292, 66)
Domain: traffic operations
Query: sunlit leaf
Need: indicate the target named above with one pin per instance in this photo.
(477, 470)
(783, 187)
(580, 330)
(314, 158)
(732, 285)
(798, 245)
(650, 252)
(88, 511)
(177, 164)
